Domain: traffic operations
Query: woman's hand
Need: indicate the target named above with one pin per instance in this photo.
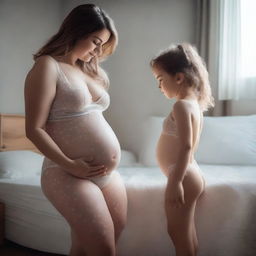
(175, 194)
(82, 168)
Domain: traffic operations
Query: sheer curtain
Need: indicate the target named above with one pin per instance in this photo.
(229, 50)
(237, 73)
(226, 38)
(208, 41)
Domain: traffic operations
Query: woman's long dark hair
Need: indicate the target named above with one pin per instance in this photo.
(79, 24)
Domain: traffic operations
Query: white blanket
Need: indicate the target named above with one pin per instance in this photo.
(224, 215)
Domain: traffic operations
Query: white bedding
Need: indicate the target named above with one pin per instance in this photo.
(224, 216)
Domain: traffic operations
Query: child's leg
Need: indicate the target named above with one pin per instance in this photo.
(181, 226)
(194, 227)
(195, 240)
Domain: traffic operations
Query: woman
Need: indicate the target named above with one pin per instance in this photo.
(182, 75)
(65, 95)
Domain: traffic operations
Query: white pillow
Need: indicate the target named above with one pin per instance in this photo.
(224, 140)
(127, 158)
(20, 163)
(152, 130)
(228, 140)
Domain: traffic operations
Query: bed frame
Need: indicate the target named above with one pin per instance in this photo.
(1, 223)
(13, 135)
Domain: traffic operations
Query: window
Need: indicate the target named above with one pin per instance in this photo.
(237, 50)
(248, 38)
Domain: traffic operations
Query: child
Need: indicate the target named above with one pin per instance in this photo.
(182, 75)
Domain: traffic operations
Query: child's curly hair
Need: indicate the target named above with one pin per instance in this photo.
(184, 58)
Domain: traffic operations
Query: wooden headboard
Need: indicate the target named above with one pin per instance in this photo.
(12, 134)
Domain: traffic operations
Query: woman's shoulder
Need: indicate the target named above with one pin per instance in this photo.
(44, 64)
(45, 61)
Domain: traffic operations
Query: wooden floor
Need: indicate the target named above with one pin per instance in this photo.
(12, 249)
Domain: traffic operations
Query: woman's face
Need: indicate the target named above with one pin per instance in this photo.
(168, 84)
(88, 48)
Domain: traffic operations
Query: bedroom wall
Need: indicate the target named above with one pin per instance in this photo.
(242, 107)
(24, 27)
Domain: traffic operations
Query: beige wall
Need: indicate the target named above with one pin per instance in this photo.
(24, 26)
(242, 107)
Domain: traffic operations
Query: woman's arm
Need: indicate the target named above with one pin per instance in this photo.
(40, 89)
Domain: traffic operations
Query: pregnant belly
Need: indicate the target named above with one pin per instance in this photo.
(89, 137)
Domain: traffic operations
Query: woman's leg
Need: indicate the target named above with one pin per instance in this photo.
(76, 249)
(116, 199)
(181, 225)
(83, 205)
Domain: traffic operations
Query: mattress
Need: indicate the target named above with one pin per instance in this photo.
(224, 215)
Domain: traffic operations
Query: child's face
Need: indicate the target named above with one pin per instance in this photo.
(167, 82)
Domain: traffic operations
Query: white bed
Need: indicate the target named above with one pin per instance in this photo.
(224, 216)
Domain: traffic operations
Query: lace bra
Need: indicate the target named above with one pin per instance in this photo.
(169, 126)
(72, 100)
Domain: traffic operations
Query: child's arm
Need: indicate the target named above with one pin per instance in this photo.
(182, 115)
